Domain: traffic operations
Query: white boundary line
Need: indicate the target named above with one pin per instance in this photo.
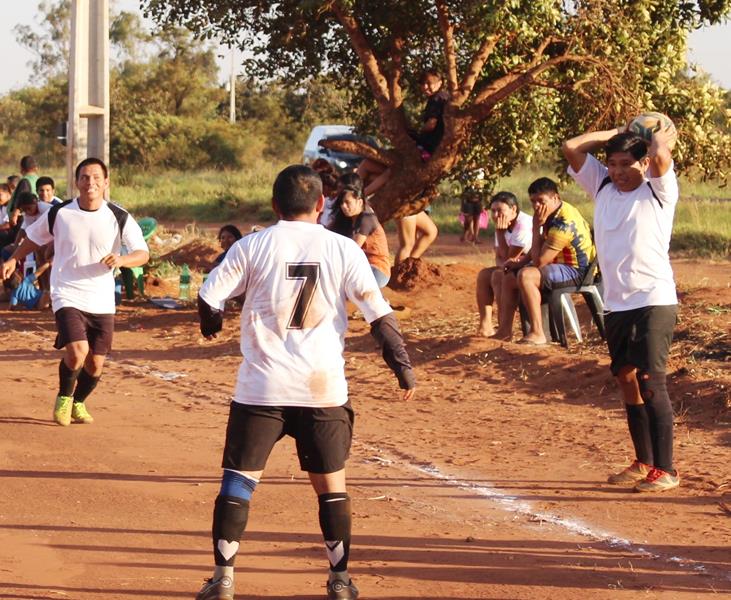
(513, 504)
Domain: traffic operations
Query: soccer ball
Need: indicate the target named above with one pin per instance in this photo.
(648, 123)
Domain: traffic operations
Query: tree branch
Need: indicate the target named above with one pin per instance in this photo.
(475, 68)
(366, 54)
(450, 54)
(394, 74)
(509, 84)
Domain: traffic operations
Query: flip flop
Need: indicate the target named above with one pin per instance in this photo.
(532, 343)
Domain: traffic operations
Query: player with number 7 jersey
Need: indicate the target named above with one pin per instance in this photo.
(296, 277)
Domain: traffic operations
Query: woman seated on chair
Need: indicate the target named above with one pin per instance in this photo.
(355, 219)
(513, 238)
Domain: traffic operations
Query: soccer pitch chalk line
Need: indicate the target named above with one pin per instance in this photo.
(513, 504)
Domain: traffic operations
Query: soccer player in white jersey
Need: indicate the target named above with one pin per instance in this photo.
(296, 277)
(636, 194)
(87, 233)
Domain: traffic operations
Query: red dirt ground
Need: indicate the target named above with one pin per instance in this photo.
(488, 485)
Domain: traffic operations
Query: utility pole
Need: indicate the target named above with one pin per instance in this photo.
(88, 125)
(232, 85)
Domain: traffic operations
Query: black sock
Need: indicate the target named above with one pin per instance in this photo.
(66, 379)
(335, 523)
(229, 521)
(84, 386)
(639, 429)
(654, 391)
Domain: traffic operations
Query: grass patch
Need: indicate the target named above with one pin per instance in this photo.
(702, 219)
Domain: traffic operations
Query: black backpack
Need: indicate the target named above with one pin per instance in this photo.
(607, 180)
(119, 213)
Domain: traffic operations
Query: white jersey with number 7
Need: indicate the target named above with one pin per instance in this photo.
(296, 277)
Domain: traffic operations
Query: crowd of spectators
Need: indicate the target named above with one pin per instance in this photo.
(24, 199)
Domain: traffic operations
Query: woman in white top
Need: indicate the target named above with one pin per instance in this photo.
(513, 238)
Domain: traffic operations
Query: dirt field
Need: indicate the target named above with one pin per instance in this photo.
(490, 484)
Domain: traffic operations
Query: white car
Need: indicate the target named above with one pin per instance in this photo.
(341, 161)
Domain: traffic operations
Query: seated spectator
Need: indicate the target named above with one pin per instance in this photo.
(561, 253)
(31, 209)
(13, 182)
(513, 238)
(329, 178)
(356, 219)
(228, 235)
(7, 232)
(46, 190)
(26, 183)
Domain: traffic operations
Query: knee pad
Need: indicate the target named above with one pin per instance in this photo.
(237, 485)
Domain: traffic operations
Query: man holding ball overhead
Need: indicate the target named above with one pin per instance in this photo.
(635, 194)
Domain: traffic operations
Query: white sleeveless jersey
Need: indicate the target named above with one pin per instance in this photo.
(296, 277)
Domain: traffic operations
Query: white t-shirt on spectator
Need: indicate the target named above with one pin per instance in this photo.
(328, 211)
(296, 277)
(632, 234)
(28, 220)
(81, 238)
(4, 216)
(521, 235)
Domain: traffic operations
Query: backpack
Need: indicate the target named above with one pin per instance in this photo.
(119, 213)
(608, 180)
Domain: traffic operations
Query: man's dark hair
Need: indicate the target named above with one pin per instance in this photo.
(45, 180)
(506, 198)
(627, 142)
(296, 191)
(28, 163)
(429, 73)
(91, 161)
(26, 199)
(543, 185)
(4, 187)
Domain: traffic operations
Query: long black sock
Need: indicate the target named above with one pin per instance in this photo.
(639, 429)
(66, 379)
(229, 521)
(654, 391)
(336, 523)
(84, 386)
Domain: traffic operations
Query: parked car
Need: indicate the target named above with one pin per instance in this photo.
(341, 161)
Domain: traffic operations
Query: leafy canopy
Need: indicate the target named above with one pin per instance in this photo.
(523, 74)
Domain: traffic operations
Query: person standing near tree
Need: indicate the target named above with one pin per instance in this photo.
(296, 276)
(26, 183)
(87, 234)
(635, 195)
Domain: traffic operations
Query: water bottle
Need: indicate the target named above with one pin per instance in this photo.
(184, 293)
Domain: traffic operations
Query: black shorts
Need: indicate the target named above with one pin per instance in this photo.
(323, 436)
(640, 337)
(472, 209)
(74, 325)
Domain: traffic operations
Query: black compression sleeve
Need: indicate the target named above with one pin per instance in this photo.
(386, 332)
(211, 319)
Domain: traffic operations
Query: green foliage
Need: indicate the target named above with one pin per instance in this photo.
(599, 62)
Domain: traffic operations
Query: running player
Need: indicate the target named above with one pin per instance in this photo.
(87, 234)
(296, 277)
(636, 194)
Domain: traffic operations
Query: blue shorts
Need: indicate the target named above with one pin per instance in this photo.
(555, 276)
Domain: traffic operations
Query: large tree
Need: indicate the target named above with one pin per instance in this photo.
(522, 74)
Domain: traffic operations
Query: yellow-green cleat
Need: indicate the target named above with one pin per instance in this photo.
(62, 410)
(80, 415)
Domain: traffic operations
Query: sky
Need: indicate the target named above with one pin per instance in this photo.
(706, 46)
